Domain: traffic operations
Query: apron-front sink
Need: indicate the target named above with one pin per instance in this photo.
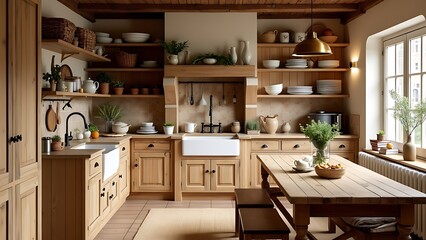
(210, 146)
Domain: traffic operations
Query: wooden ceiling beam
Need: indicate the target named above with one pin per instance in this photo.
(73, 5)
(362, 8)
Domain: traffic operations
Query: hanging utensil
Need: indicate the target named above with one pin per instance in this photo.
(234, 97)
(203, 101)
(223, 94)
(58, 115)
(191, 101)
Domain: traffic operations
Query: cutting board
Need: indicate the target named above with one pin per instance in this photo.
(51, 120)
(112, 134)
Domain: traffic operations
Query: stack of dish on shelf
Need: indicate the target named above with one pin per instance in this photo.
(274, 89)
(149, 64)
(135, 37)
(329, 86)
(147, 128)
(102, 37)
(299, 90)
(296, 63)
(328, 63)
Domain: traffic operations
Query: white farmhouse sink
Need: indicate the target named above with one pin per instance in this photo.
(110, 157)
(210, 146)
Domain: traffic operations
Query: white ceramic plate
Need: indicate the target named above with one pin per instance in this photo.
(304, 170)
(152, 132)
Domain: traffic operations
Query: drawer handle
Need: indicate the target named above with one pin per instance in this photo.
(151, 145)
(120, 176)
(265, 146)
(342, 146)
(213, 171)
(113, 183)
(96, 164)
(102, 194)
(207, 171)
(123, 149)
(296, 146)
(111, 197)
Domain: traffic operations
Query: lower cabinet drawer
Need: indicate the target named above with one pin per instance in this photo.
(151, 145)
(95, 165)
(265, 145)
(342, 146)
(296, 145)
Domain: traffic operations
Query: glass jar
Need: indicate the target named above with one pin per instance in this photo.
(320, 152)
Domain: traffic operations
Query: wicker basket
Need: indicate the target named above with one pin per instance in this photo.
(58, 28)
(330, 173)
(125, 60)
(86, 38)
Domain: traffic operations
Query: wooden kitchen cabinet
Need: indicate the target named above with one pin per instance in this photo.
(124, 171)
(28, 209)
(210, 175)
(95, 201)
(5, 214)
(151, 166)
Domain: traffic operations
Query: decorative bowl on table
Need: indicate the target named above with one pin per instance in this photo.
(330, 171)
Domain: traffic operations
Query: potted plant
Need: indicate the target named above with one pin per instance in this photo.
(410, 119)
(168, 128)
(320, 134)
(253, 127)
(173, 48)
(94, 131)
(57, 144)
(134, 89)
(104, 80)
(118, 87)
(211, 58)
(54, 77)
(380, 135)
(110, 113)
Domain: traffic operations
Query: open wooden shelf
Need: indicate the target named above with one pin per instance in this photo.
(209, 71)
(124, 69)
(78, 94)
(292, 45)
(68, 50)
(260, 70)
(129, 44)
(305, 96)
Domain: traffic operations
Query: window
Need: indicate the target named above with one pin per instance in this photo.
(405, 72)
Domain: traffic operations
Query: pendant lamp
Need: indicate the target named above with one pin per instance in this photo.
(312, 46)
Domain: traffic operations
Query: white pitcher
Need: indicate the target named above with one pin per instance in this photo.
(90, 86)
(190, 127)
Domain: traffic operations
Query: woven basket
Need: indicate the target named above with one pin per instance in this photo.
(58, 28)
(330, 173)
(125, 60)
(86, 38)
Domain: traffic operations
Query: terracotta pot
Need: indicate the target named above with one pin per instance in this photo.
(134, 91)
(104, 88)
(380, 137)
(57, 146)
(118, 91)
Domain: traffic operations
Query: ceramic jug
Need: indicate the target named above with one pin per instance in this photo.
(90, 86)
(269, 123)
(268, 37)
(173, 59)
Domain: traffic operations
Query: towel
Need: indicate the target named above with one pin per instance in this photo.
(372, 224)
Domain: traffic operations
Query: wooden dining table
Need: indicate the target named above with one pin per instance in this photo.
(359, 193)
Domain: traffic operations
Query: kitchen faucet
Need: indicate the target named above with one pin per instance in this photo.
(211, 126)
(67, 138)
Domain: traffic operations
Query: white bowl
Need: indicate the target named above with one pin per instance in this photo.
(273, 91)
(328, 63)
(102, 34)
(149, 63)
(209, 60)
(135, 34)
(135, 39)
(104, 40)
(271, 63)
(147, 124)
(276, 86)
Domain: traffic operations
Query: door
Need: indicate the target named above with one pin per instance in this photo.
(94, 199)
(27, 210)
(151, 172)
(224, 175)
(4, 178)
(5, 214)
(195, 175)
(123, 177)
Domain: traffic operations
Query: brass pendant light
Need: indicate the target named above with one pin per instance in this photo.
(312, 46)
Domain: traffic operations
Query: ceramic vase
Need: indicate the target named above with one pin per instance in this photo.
(409, 150)
(246, 54)
(187, 57)
(233, 53)
(173, 59)
(286, 127)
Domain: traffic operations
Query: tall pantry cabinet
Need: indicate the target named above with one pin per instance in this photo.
(20, 193)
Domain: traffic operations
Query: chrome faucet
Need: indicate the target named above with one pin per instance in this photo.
(67, 138)
(211, 126)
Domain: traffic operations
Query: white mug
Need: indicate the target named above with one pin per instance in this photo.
(69, 86)
(285, 37)
(190, 127)
(299, 37)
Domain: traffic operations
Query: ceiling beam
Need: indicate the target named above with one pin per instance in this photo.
(362, 9)
(73, 5)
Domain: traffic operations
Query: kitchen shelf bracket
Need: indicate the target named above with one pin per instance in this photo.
(66, 55)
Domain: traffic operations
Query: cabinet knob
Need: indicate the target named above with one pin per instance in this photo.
(136, 165)
(111, 197)
(16, 138)
(213, 171)
(207, 171)
(102, 194)
(123, 149)
(296, 146)
(103, 189)
(96, 164)
(151, 145)
(265, 146)
(342, 146)
(120, 176)
(113, 183)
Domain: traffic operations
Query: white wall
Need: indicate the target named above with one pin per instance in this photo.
(381, 17)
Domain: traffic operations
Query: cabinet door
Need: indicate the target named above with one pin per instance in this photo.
(93, 204)
(225, 175)
(256, 177)
(27, 210)
(124, 177)
(25, 90)
(113, 192)
(195, 175)
(151, 172)
(5, 213)
(3, 96)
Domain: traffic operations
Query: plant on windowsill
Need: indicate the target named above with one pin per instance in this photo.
(57, 144)
(410, 118)
(118, 87)
(253, 127)
(168, 128)
(380, 135)
(320, 134)
(104, 80)
(94, 131)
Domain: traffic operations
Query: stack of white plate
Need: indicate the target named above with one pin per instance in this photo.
(299, 90)
(102, 37)
(296, 63)
(147, 128)
(135, 37)
(329, 86)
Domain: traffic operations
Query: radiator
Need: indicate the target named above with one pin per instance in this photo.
(404, 175)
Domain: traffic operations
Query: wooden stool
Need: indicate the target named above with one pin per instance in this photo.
(356, 233)
(250, 198)
(262, 223)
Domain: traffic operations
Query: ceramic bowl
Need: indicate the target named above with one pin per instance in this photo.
(120, 127)
(328, 39)
(209, 60)
(271, 63)
(274, 89)
(328, 63)
(330, 173)
(104, 40)
(147, 124)
(102, 34)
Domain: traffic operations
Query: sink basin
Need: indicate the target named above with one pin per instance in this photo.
(110, 157)
(210, 146)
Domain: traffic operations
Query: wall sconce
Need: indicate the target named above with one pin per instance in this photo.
(353, 64)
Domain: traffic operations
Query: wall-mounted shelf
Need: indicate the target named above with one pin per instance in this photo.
(124, 69)
(68, 50)
(261, 70)
(304, 96)
(206, 71)
(292, 45)
(130, 44)
(77, 94)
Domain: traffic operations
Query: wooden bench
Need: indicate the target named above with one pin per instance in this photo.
(250, 198)
(262, 223)
(356, 233)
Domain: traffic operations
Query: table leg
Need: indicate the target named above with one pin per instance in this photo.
(301, 215)
(405, 221)
(265, 175)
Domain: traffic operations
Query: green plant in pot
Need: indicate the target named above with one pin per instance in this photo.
(410, 118)
(209, 57)
(253, 127)
(320, 134)
(168, 128)
(380, 135)
(173, 48)
(57, 143)
(53, 77)
(118, 87)
(110, 113)
(104, 80)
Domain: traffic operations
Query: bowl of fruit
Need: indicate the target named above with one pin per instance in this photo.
(326, 170)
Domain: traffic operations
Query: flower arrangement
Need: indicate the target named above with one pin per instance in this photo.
(320, 134)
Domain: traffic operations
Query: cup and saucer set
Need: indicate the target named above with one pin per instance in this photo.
(304, 165)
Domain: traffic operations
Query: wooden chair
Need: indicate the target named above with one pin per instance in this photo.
(250, 198)
(357, 233)
(262, 223)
